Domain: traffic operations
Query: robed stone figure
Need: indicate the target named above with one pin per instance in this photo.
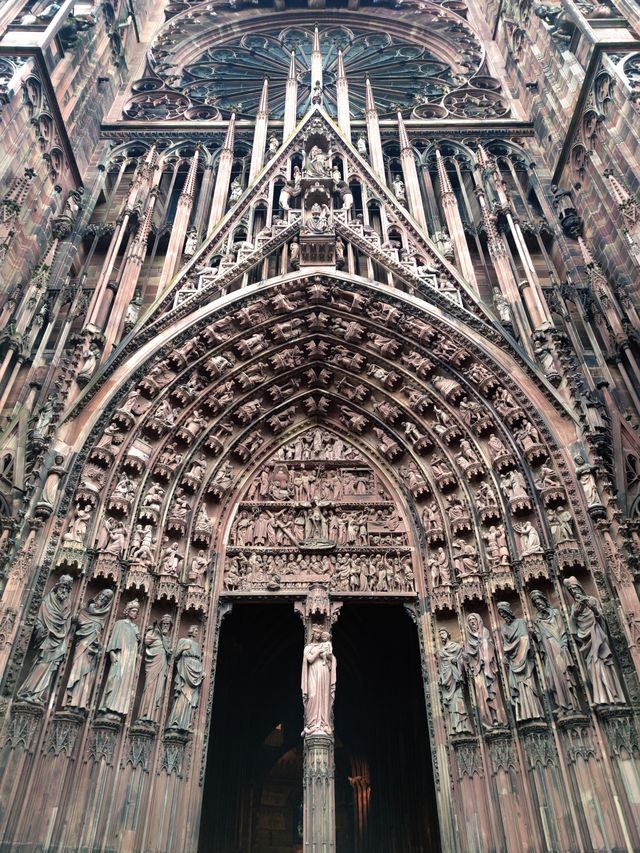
(89, 627)
(554, 645)
(156, 668)
(122, 650)
(587, 623)
(188, 680)
(50, 638)
(318, 683)
(482, 666)
(451, 682)
(520, 661)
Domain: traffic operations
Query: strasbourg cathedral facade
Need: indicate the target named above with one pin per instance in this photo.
(320, 409)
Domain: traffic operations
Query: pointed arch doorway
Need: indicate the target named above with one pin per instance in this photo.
(319, 532)
(384, 791)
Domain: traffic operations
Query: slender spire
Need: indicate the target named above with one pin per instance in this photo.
(291, 98)
(260, 133)
(342, 98)
(369, 102)
(190, 180)
(316, 61)
(405, 145)
(619, 192)
(587, 257)
(230, 134)
(263, 108)
(446, 190)
(373, 131)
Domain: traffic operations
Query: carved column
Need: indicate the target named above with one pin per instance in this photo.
(319, 818)
(318, 782)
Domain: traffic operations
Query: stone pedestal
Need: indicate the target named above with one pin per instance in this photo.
(319, 824)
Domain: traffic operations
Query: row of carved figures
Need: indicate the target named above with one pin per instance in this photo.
(348, 572)
(272, 528)
(284, 483)
(56, 630)
(475, 662)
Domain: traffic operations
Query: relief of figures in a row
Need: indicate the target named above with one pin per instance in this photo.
(347, 572)
(475, 662)
(138, 665)
(280, 482)
(376, 526)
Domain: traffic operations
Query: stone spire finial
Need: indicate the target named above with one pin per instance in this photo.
(316, 61)
(190, 180)
(263, 106)
(342, 98)
(405, 145)
(230, 134)
(369, 102)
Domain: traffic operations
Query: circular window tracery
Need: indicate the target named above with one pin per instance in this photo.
(229, 77)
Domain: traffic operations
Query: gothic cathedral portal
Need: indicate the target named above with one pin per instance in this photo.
(319, 417)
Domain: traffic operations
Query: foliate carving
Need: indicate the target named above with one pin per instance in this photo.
(622, 735)
(468, 758)
(502, 755)
(22, 725)
(140, 746)
(539, 750)
(65, 728)
(103, 739)
(174, 745)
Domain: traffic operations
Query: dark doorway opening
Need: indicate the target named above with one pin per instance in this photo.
(381, 720)
(253, 785)
(385, 798)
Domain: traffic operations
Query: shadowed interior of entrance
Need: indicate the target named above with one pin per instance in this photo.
(385, 801)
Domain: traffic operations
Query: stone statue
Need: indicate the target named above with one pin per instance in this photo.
(236, 191)
(519, 659)
(122, 650)
(553, 640)
(588, 482)
(89, 625)
(561, 524)
(439, 568)
(113, 537)
(294, 254)
(191, 241)
(89, 364)
(171, 560)
(361, 145)
(316, 162)
(482, 665)
(502, 306)
(198, 570)
(78, 525)
(156, 666)
(318, 683)
(188, 681)
(529, 538)
(451, 681)
(587, 623)
(399, 190)
(50, 639)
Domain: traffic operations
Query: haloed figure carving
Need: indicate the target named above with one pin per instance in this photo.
(451, 682)
(156, 667)
(90, 623)
(189, 677)
(587, 623)
(318, 683)
(50, 638)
